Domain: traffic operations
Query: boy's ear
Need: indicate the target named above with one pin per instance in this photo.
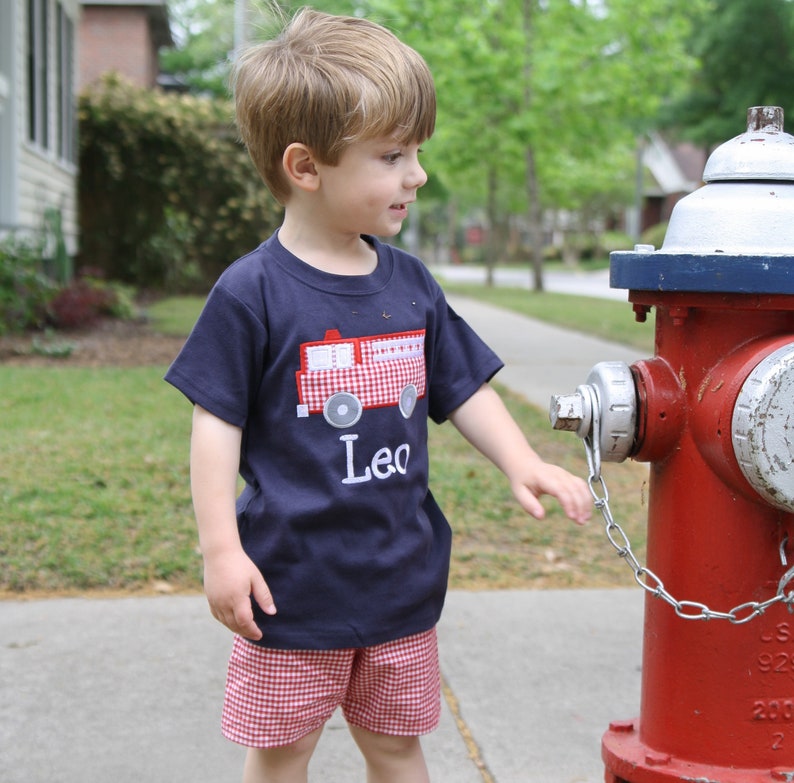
(298, 163)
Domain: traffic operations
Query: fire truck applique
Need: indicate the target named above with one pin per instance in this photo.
(342, 377)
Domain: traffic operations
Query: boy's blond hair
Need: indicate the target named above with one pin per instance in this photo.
(328, 81)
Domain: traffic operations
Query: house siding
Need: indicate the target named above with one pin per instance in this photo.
(8, 111)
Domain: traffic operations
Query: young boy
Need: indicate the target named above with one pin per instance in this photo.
(313, 369)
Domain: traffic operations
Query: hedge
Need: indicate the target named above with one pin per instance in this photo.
(168, 196)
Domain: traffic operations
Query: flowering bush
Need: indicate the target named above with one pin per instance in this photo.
(167, 194)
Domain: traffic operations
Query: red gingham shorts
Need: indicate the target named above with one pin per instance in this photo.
(275, 697)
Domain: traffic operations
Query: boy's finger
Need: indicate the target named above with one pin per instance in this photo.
(263, 597)
(530, 503)
(244, 622)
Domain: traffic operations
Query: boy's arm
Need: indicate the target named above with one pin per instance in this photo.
(230, 576)
(487, 424)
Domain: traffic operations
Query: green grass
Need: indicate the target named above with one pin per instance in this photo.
(95, 496)
(94, 480)
(175, 315)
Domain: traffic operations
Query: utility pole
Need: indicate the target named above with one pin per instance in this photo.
(240, 25)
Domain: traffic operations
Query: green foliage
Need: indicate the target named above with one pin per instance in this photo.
(572, 82)
(168, 196)
(204, 31)
(25, 291)
(746, 54)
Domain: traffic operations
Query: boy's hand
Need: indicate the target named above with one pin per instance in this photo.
(230, 580)
(542, 478)
(486, 423)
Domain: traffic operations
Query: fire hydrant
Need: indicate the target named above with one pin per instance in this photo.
(713, 414)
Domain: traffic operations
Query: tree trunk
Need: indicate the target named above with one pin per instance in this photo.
(535, 221)
(533, 188)
(491, 238)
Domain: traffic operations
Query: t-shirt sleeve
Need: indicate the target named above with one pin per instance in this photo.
(221, 363)
(461, 363)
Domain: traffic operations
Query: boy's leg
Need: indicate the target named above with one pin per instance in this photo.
(288, 764)
(394, 697)
(391, 759)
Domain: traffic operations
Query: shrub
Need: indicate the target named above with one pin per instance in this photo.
(87, 300)
(25, 291)
(167, 195)
(80, 304)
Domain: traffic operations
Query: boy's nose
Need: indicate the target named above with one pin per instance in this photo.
(417, 176)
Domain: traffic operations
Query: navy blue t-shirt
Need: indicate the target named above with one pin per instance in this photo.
(332, 379)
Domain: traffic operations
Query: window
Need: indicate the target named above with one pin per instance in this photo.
(66, 113)
(51, 78)
(38, 65)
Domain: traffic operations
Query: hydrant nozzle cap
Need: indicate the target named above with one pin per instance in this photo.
(763, 152)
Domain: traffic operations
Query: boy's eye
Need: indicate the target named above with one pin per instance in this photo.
(392, 157)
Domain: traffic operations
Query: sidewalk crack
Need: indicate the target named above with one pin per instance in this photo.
(465, 732)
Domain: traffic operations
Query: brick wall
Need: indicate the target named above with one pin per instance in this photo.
(116, 38)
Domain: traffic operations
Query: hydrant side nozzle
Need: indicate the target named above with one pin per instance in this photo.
(604, 408)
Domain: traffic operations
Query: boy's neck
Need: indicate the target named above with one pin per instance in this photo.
(338, 254)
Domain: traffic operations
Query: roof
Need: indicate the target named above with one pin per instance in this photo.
(675, 169)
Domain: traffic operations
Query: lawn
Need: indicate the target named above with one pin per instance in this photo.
(95, 497)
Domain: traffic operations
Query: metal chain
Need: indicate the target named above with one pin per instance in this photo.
(648, 580)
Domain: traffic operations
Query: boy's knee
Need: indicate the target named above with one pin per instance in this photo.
(284, 760)
(385, 745)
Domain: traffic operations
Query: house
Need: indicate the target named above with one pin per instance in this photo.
(38, 151)
(48, 50)
(670, 172)
(123, 36)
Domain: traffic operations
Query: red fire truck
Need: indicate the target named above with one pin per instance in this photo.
(341, 377)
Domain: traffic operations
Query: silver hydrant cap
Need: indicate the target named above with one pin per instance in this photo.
(746, 206)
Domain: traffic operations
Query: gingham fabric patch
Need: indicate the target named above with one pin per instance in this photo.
(275, 697)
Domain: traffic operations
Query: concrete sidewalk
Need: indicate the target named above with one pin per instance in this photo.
(540, 359)
(130, 689)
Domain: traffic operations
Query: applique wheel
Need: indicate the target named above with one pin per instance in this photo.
(342, 409)
(408, 397)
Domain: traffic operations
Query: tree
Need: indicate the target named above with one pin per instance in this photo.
(746, 54)
(206, 33)
(540, 101)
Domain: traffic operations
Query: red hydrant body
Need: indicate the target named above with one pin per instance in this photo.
(717, 699)
(713, 414)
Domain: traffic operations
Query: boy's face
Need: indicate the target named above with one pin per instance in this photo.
(369, 190)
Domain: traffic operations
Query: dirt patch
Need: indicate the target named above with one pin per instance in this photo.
(106, 344)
